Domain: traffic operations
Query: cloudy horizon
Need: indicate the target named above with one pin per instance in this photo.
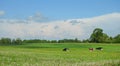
(36, 27)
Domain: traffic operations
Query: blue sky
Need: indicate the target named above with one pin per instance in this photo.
(26, 19)
(59, 9)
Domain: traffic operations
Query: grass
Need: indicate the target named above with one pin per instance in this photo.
(37, 54)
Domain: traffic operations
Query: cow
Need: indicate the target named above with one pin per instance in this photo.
(99, 48)
(91, 49)
(65, 49)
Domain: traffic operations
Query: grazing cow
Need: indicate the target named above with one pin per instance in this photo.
(65, 49)
(99, 48)
(91, 49)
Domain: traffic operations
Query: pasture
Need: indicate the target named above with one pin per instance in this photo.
(51, 54)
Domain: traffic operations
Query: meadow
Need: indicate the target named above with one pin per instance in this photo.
(51, 54)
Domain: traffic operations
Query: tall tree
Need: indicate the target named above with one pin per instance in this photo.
(98, 36)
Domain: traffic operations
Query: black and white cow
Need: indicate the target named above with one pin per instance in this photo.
(99, 48)
(65, 49)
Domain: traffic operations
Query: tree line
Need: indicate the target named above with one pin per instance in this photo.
(53, 41)
(96, 37)
(8, 41)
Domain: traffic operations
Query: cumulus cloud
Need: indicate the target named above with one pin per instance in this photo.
(71, 28)
(50, 30)
(2, 13)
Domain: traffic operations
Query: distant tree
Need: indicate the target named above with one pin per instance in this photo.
(117, 39)
(0, 41)
(18, 41)
(98, 36)
(105, 38)
(53, 41)
(60, 41)
(77, 41)
(5, 41)
(111, 40)
(85, 41)
(14, 42)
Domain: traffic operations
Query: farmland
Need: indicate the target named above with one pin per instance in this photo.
(51, 54)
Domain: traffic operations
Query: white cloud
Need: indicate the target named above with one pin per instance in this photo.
(2, 13)
(72, 28)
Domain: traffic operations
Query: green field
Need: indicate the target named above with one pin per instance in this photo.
(51, 54)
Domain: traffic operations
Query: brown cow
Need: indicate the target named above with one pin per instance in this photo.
(91, 49)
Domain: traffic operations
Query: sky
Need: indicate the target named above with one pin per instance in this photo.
(58, 19)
